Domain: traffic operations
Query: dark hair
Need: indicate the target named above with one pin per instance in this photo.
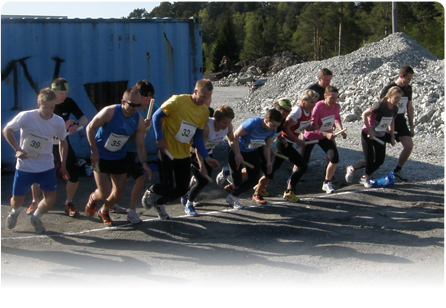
(331, 89)
(224, 111)
(323, 72)
(144, 87)
(406, 70)
(273, 115)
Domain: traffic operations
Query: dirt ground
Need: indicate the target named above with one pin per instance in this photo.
(377, 242)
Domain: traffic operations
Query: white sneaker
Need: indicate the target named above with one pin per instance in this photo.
(133, 217)
(328, 188)
(221, 177)
(233, 201)
(117, 209)
(147, 199)
(161, 211)
(349, 172)
(365, 181)
(37, 224)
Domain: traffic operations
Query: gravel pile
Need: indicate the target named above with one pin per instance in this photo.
(360, 77)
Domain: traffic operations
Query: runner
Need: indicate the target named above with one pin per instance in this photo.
(35, 160)
(179, 121)
(402, 132)
(254, 133)
(284, 107)
(325, 116)
(216, 129)
(379, 122)
(114, 125)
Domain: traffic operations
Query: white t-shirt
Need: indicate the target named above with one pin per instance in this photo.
(36, 136)
(214, 137)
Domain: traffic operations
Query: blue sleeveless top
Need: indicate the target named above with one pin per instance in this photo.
(119, 125)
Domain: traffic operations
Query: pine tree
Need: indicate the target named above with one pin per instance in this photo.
(226, 44)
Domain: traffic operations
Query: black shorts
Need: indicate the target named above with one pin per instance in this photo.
(401, 128)
(134, 168)
(119, 166)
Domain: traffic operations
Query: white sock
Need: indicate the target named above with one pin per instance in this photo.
(38, 214)
(17, 210)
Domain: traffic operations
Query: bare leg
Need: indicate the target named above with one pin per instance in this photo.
(136, 191)
(407, 143)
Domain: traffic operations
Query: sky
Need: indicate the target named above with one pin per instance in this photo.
(72, 9)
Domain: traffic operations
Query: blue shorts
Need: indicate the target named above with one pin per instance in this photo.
(47, 181)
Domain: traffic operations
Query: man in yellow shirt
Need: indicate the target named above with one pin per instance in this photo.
(177, 123)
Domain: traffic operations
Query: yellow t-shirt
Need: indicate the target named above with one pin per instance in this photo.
(183, 118)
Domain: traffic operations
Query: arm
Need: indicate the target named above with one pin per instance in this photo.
(365, 115)
(235, 146)
(410, 117)
(63, 151)
(8, 133)
(267, 153)
(201, 149)
(140, 147)
(287, 130)
(157, 127)
(99, 120)
(200, 159)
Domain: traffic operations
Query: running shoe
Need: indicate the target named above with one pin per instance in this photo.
(11, 221)
(196, 204)
(90, 208)
(189, 209)
(70, 210)
(365, 181)
(263, 193)
(233, 201)
(133, 217)
(290, 196)
(37, 224)
(349, 171)
(147, 199)
(230, 188)
(161, 211)
(117, 209)
(400, 175)
(258, 199)
(105, 218)
(328, 188)
(31, 208)
(221, 177)
(244, 173)
(184, 199)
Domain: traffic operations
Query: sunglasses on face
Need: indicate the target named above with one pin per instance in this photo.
(132, 104)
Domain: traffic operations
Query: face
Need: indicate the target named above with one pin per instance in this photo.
(325, 81)
(285, 112)
(394, 100)
(145, 100)
(46, 109)
(223, 123)
(331, 98)
(405, 80)
(203, 97)
(308, 105)
(271, 125)
(60, 96)
(131, 107)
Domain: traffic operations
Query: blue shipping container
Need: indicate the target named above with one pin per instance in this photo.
(100, 58)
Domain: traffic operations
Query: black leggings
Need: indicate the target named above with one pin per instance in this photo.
(253, 174)
(295, 158)
(374, 154)
(200, 182)
(328, 146)
(167, 169)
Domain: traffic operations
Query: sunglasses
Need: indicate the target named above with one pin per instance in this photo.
(132, 104)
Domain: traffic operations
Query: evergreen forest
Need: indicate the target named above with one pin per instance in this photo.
(314, 30)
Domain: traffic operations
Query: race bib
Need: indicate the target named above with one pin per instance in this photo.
(327, 123)
(302, 126)
(35, 143)
(385, 122)
(115, 142)
(256, 143)
(211, 144)
(55, 140)
(402, 105)
(186, 132)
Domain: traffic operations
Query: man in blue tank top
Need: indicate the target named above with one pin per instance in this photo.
(114, 124)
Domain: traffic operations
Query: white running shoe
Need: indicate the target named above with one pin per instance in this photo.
(349, 172)
(365, 181)
(117, 209)
(233, 201)
(147, 199)
(161, 211)
(133, 217)
(221, 177)
(37, 224)
(328, 188)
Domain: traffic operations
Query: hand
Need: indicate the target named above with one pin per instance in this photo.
(371, 135)
(94, 157)
(65, 174)
(344, 135)
(69, 123)
(147, 123)
(212, 162)
(162, 146)
(238, 160)
(269, 168)
(20, 154)
(73, 129)
(300, 143)
(146, 168)
(412, 132)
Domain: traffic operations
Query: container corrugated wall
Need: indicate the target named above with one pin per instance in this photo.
(100, 58)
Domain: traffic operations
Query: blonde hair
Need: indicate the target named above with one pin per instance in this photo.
(204, 83)
(309, 95)
(395, 90)
(46, 95)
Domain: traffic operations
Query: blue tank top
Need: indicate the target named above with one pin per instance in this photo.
(116, 130)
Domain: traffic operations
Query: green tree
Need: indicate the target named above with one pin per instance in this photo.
(138, 13)
(226, 44)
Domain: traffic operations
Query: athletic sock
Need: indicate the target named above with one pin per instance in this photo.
(398, 168)
(38, 214)
(17, 210)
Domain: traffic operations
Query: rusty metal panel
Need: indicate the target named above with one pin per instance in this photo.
(100, 58)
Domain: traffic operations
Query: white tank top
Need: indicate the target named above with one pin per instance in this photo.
(214, 137)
